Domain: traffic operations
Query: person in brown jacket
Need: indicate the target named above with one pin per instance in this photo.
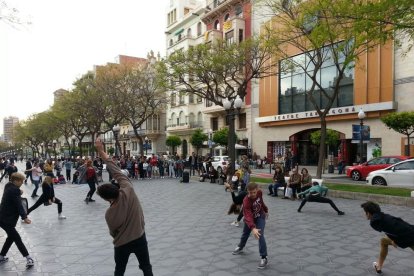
(125, 218)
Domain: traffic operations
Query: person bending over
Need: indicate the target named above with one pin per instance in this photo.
(317, 194)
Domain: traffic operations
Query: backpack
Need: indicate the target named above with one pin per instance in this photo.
(90, 174)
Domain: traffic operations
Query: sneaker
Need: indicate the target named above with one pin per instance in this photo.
(29, 263)
(91, 200)
(262, 264)
(235, 223)
(86, 200)
(237, 251)
(61, 216)
(3, 259)
(299, 211)
(340, 213)
(374, 265)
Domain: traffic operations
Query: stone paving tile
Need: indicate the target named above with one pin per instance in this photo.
(189, 233)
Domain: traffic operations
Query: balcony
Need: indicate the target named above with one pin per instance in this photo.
(213, 35)
(184, 127)
(151, 133)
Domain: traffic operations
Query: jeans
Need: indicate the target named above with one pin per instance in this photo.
(68, 174)
(273, 188)
(36, 183)
(12, 236)
(319, 199)
(92, 189)
(260, 224)
(140, 248)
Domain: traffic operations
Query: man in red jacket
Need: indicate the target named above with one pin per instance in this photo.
(255, 214)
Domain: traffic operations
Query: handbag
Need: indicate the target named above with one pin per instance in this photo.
(288, 192)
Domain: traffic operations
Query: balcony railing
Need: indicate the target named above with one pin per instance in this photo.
(185, 126)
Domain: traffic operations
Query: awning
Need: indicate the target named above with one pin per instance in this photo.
(179, 32)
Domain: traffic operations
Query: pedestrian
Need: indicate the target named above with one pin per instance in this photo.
(255, 213)
(125, 218)
(317, 193)
(399, 233)
(48, 197)
(28, 171)
(68, 167)
(10, 209)
(10, 169)
(91, 179)
(36, 173)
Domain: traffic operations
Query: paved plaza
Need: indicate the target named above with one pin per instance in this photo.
(189, 233)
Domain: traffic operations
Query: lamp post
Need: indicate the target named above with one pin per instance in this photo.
(116, 130)
(210, 141)
(73, 145)
(232, 108)
(146, 145)
(54, 147)
(361, 116)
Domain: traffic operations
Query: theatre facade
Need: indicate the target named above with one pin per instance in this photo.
(382, 81)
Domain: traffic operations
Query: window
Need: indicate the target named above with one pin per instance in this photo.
(217, 25)
(173, 99)
(405, 166)
(200, 118)
(199, 99)
(181, 120)
(189, 33)
(181, 98)
(294, 83)
(216, 3)
(229, 36)
(209, 103)
(242, 120)
(171, 42)
(173, 120)
(214, 124)
(199, 29)
(241, 35)
(191, 98)
(179, 37)
(226, 17)
(238, 11)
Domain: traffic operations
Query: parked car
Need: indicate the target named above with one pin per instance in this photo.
(360, 172)
(400, 174)
(219, 162)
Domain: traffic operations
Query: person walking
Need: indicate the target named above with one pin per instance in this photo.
(28, 171)
(255, 213)
(91, 179)
(68, 167)
(10, 169)
(48, 197)
(399, 233)
(125, 218)
(317, 194)
(10, 209)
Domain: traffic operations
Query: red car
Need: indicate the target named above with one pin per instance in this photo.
(361, 171)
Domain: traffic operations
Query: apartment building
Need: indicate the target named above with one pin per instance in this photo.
(8, 125)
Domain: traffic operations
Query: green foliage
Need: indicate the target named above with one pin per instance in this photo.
(369, 189)
(401, 122)
(173, 141)
(221, 136)
(111, 151)
(198, 138)
(332, 137)
(376, 152)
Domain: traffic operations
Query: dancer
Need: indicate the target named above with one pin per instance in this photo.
(236, 207)
(317, 194)
(10, 209)
(36, 173)
(48, 197)
(125, 218)
(399, 233)
(255, 214)
(92, 180)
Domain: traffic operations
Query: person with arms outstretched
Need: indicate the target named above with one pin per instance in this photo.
(124, 217)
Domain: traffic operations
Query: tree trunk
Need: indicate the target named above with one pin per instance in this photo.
(322, 146)
(408, 145)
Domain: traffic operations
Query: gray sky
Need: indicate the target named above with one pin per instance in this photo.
(64, 41)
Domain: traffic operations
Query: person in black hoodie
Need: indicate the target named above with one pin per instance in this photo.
(399, 233)
(48, 197)
(10, 169)
(10, 209)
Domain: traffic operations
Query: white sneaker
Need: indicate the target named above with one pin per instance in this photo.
(262, 264)
(61, 216)
(29, 263)
(235, 223)
(237, 251)
(3, 259)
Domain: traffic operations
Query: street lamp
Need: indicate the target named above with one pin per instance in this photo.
(116, 129)
(73, 145)
(42, 146)
(54, 147)
(232, 108)
(361, 116)
(146, 145)
(210, 141)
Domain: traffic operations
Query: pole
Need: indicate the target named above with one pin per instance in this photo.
(232, 154)
(361, 142)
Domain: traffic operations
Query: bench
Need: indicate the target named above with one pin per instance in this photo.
(320, 182)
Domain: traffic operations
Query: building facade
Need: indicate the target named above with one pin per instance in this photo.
(379, 84)
(8, 126)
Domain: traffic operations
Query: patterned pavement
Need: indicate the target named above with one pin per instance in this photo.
(189, 233)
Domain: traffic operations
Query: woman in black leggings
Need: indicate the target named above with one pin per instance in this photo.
(236, 206)
(48, 197)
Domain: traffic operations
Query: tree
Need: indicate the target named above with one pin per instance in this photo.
(402, 122)
(173, 141)
(198, 138)
(316, 29)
